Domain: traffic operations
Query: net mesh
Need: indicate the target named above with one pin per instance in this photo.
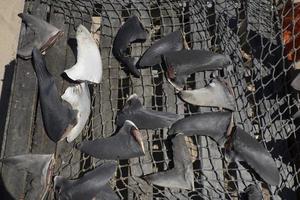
(252, 32)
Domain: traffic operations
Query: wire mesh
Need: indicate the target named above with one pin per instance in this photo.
(252, 33)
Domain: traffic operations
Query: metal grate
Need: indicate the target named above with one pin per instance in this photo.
(250, 32)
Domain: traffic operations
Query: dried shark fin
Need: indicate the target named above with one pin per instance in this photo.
(152, 56)
(216, 125)
(144, 118)
(78, 97)
(180, 64)
(182, 175)
(127, 143)
(132, 31)
(88, 186)
(216, 94)
(106, 193)
(57, 116)
(89, 64)
(246, 148)
(40, 166)
(45, 35)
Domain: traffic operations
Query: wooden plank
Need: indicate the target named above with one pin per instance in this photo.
(17, 135)
(144, 89)
(41, 143)
(20, 127)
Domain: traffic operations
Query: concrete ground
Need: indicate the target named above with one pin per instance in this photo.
(10, 25)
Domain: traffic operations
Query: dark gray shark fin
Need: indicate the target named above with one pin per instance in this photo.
(60, 181)
(139, 32)
(106, 193)
(26, 50)
(130, 63)
(87, 186)
(35, 23)
(133, 102)
(144, 118)
(39, 167)
(172, 42)
(132, 31)
(216, 94)
(40, 66)
(127, 144)
(181, 64)
(216, 125)
(58, 116)
(45, 35)
(152, 119)
(248, 149)
(182, 175)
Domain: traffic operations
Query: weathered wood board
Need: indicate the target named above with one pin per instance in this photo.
(19, 128)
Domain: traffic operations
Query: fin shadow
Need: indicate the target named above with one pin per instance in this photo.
(264, 48)
(251, 171)
(268, 88)
(276, 83)
(3, 191)
(285, 111)
(65, 77)
(287, 193)
(5, 95)
(72, 42)
(280, 151)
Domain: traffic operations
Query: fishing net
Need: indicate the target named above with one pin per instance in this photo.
(261, 39)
